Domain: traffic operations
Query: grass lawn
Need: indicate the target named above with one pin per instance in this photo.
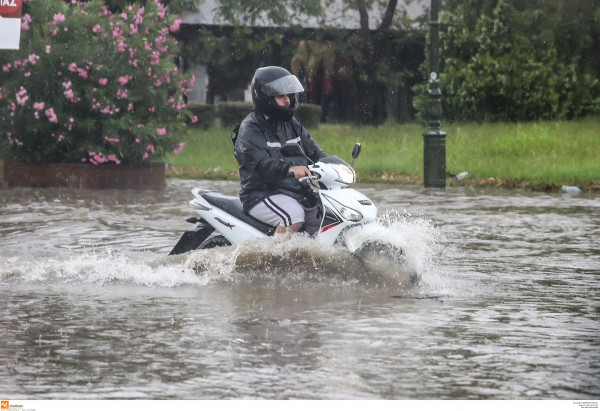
(538, 155)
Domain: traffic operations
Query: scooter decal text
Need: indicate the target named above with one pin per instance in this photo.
(225, 223)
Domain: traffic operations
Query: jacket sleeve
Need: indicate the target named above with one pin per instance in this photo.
(252, 152)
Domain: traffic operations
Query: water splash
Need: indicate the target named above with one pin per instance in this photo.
(285, 260)
(96, 268)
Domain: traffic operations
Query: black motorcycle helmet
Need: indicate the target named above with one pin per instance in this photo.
(272, 81)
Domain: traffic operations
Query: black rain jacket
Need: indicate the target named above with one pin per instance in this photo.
(263, 170)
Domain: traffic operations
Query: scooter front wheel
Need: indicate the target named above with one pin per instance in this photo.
(213, 242)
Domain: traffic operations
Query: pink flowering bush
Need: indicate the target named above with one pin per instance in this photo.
(91, 86)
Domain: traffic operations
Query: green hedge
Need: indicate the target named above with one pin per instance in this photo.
(231, 113)
(309, 115)
(204, 112)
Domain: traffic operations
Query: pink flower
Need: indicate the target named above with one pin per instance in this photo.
(22, 96)
(178, 149)
(33, 58)
(195, 119)
(97, 28)
(117, 33)
(25, 24)
(69, 94)
(112, 157)
(161, 131)
(48, 48)
(67, 84)
(162, 10)
(124, 80)
(144, 156)
(155, 57)
(51, 115)
(175, 25)
(59, 18)
(103, 81)
(39, 106)
(150, 148)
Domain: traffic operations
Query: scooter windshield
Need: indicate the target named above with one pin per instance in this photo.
(333, 160)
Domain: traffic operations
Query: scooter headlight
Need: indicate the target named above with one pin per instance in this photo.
(346, 212)
(345, 174)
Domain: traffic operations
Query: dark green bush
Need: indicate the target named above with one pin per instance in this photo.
(231, 113)
(509, 60)
(309, 115)
(205, 114)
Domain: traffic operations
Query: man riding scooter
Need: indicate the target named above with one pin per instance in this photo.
(269, 191)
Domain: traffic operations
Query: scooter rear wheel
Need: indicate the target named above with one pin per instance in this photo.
(213, 242)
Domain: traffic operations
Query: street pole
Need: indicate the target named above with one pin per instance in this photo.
(434, 150)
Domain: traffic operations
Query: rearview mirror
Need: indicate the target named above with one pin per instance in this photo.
(355, 152)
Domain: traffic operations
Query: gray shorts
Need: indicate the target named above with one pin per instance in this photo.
(277, 210)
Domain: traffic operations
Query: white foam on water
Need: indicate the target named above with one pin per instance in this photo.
(97, 268)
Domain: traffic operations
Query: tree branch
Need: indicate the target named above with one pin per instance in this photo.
(364, 16)
(389, 15)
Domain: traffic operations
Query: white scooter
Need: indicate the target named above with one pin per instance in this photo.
(342, 216)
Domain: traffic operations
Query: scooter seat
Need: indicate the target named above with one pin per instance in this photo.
(234, 206)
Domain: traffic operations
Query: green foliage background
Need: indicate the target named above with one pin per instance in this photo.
(518, 60)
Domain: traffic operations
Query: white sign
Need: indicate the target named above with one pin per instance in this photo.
(10, 24)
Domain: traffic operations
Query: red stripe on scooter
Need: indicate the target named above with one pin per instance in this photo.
(329, 226)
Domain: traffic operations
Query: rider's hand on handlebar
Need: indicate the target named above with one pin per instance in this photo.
(300, 171)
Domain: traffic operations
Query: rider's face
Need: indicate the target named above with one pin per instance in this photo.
(283, 100)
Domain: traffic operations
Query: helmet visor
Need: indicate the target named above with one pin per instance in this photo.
(284, 85)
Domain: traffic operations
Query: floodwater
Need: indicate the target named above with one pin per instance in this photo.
(93, 308)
